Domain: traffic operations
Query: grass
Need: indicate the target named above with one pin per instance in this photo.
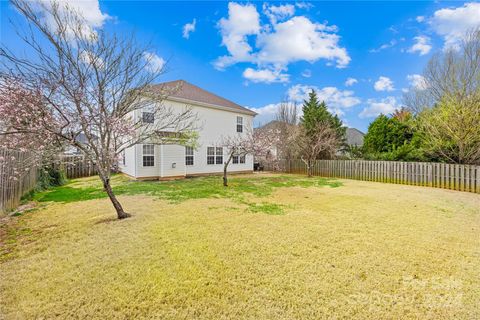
(275, 247)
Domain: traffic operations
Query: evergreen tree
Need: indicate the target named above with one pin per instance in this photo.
(315, 112)
(389, 138)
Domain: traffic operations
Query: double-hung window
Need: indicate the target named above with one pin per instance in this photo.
(219, 155)
(238, 159)
(214, 155)
(239, 124)
(123, 157)
(148, 117)
(148, 155)
(188, 156)
(210, 155)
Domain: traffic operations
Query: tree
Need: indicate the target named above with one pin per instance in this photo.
(89, 82)
(315, 112)
(448, 104)
(286, 120)
(393, 138)
(22, 115)
(309, 144)
(256, 143)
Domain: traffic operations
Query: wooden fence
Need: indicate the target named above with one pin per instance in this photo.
(438, 175)
(77, 166)
(18, 175)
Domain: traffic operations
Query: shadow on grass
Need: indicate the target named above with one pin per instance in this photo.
(185, 189)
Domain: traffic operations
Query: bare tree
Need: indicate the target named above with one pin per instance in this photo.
(448, 103)
(252, 142)
(287, 119)
(91, 83)
(310, 145)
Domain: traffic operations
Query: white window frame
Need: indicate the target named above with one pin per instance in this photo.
(211, 155)
(218, 155)
(215, 157)
(239, 124)
(189, 155)
(148, 152)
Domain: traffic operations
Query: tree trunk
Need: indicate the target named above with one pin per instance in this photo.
(225, 166)
(121, 214)
(309, 170)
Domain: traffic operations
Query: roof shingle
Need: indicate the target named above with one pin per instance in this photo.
(184, 90)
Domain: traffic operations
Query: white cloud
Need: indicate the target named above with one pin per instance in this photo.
(307, 73)
(154, 62)
(279, 43)
(417, 81)
(301, 39)
(350, 82)
(242, 21)
(392, 43)
(377, 107)
(422, 45)
(452, 23)
(420, 19)
(304, 5)
(336, 100)
(268, 110)
(265, 75)
(88, 57)
(189, 28)
(88, 9)
(383, 84)
(278, 13)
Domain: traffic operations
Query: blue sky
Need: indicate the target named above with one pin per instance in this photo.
(260, 53)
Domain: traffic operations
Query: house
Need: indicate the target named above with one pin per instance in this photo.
(354, 137)
(217, 118)
(81, 138)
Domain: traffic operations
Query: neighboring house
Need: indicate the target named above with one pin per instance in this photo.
(354, 137)
(217, 118)
(272, 126)
(71, 150)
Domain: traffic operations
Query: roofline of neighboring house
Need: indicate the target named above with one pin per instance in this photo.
(213, 106)
(356, 130)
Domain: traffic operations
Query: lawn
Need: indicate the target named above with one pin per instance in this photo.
(266, 247)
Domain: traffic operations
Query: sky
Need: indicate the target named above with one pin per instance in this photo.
(360, 57)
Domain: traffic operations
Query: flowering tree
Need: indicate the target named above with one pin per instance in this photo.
(87, 82)
(20, 129)
(253, 142)
(318, 140)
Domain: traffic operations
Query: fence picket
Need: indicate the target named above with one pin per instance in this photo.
(13, 186)
(438, 175)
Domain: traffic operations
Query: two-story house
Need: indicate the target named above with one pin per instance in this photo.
(217, 117)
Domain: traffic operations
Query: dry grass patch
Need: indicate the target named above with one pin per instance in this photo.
(362, 250)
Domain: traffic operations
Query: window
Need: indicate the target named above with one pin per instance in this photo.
(148, 117)
(219, 155)
(238, 159)
(148, 155)
(123, 157)
(214, 155)
(239, 124)
(210, 155)
(188, 156)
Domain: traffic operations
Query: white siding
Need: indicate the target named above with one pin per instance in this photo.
(129, 167)
(172, 155)
(143, 172)
(213, 124)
